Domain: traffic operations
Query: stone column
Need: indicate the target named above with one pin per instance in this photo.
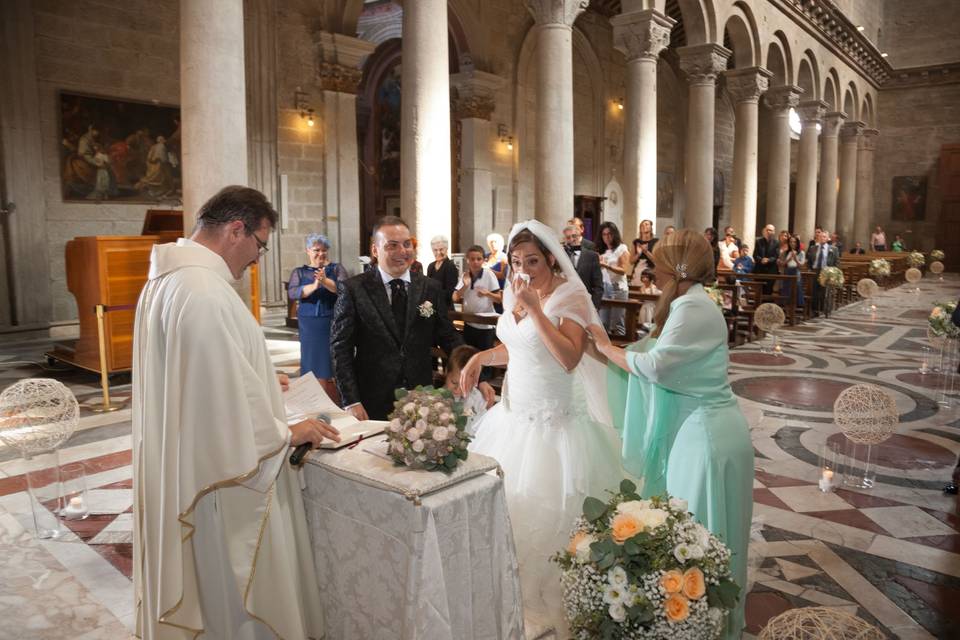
(827, 194)
(425, 123)
(849, 140)
(339, 59)
(554, 178)
(745, 87)
(863, 211)
(473, 105)
(780, 100)
(213, 101)
(640, 36)
(805, 205)
(701, 64)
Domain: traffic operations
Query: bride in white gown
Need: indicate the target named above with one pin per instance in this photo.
(551, 431)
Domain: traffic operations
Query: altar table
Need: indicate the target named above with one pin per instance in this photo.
(393, 566)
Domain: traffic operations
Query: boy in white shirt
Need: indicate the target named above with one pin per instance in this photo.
(473, 403)
(478, 290)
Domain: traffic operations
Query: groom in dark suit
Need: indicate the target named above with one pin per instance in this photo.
(585, 261)
(385, 325)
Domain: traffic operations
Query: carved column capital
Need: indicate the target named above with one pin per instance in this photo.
(562, 12)
(812, 111)
(868, 140)
(746, 85)
(783, 97)
(851, 131)
(641, 34)
(832, 122)
(473, 93)
(339, 61)
(702, 63)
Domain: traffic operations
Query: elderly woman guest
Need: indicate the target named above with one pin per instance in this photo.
(496, 260)
(682, 428)
(442, 268)
(314, 285)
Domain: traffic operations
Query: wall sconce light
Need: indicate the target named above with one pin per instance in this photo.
(505, 138)
(619, 102)
(302, 104)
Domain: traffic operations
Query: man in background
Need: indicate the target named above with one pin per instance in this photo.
(585, 261)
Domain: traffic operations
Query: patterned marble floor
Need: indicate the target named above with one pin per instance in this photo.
(890, 554)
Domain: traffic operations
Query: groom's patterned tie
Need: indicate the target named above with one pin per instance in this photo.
(398, 303)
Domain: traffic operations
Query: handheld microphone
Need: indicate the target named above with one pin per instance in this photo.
(296, 458)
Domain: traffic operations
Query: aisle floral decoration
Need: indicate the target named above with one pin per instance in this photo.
(916, 259)
(937, 255)
(879, 267)
(716, 294)
(831, 277)
(427, 430)
(644, 569)
(940, 320)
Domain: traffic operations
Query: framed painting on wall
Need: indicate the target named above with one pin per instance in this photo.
(664, 194)
(118, 150)
(909, 198)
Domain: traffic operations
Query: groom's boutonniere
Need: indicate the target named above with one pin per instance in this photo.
(426, 309)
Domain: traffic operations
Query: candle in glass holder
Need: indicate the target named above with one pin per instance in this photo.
(75, 509)
(826, 480)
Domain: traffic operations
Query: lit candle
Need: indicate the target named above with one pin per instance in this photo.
(826, 480)
(75, 509)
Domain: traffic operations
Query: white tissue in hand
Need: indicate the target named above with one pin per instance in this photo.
(525, 277)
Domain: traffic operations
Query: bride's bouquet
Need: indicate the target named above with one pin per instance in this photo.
(427, 430)
(644, 569)
(879, 267)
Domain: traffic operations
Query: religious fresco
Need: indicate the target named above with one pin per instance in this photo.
(664, 194)
(388, 110)
(118, 150)
(909, 198)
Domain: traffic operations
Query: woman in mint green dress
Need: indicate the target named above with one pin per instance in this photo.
(683, 432)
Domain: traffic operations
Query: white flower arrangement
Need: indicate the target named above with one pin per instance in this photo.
(426, 309)
(916, 259)
(427, 430)
(940, 320)
(937, 255)
(644, 569)
(879, 267)
(831, 277)
(716, 294)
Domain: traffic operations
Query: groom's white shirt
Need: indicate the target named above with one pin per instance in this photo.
(387, 278)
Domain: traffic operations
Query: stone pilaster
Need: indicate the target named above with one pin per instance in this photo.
(640, 36)
(829, 151)
(701, 64)
(780, 100)
(805, 207)
(863, 206)
(745, 87)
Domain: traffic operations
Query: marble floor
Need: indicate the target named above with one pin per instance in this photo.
(889, 554)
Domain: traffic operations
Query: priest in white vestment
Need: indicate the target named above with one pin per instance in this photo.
(220, 539)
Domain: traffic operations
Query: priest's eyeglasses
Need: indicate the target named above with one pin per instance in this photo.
(262, 247)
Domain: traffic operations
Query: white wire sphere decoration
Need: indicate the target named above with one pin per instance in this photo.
(769, 317)
(819, 623)
(913, 275)
(866, 414)
(936, 267)
(867, 288)
(37, 415)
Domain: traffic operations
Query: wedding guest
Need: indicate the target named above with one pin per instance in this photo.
(682, 428)
(857, 249)
(667, 230)
(878, 239)
(647, 287)
(791, 261)
(496, 259)
(728, 245)
(615, 261)
(417, 266)
(473, 402)
(820, 255)
(314, 287)
(815, 239)
(836, 242)
(585, 242)
(783, 238)
(729, 231)
(585, 261)
(641, 258)
(220, 541)
(711, 235)
(897, 243)
(743, 263)
(442, 269)
(765, 254)
(478, 290)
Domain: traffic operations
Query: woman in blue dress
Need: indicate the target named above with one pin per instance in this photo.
(314, 285)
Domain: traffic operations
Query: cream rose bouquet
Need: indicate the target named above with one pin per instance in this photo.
(427, 430)
(879, 267)
(937, 255)
(644, 569)
(940, 322)
(916, 259)
(831, 277)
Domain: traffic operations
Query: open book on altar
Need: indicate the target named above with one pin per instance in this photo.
(306, 399)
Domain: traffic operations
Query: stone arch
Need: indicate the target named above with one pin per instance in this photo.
(779, 55)
(866, 111)
(738, 38)
(851, 102)
(808, 76)
(699, 21)
(832, 90)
